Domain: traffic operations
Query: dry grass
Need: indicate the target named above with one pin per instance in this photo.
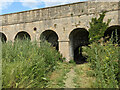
(57, 77)
(83, 78)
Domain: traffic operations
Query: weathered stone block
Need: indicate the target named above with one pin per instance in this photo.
(45, 14)
(65, 11)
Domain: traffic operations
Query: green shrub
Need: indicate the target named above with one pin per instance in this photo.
(26, 64)
(72, 61)
(104, 62)
(103, 58)
(91, 73)
(97, 28)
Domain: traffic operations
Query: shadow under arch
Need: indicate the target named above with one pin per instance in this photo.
(50, 36)
(112, 31)
(22, 36)
(78, 38)
(3, 37)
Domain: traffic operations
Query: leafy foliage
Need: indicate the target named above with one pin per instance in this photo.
(97, 28)
(104, 58)
(27, 65)
(104, 61)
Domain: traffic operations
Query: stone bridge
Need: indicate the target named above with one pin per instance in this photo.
(65, 26)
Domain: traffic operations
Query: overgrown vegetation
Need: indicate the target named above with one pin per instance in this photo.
(58, 77)
(104, 62)
(28, 64)
(98, 28)
(84, 77)
(25, 64)
(104, 58)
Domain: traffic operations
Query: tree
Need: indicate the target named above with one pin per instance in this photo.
(97, 28)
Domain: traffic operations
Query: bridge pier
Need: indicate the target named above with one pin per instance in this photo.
(64, 49)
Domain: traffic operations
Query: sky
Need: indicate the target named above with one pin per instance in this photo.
(12, 6)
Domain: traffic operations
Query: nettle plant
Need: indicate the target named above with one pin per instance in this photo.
(97, 28)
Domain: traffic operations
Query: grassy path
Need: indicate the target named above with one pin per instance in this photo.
(58, 77)
(69, 81)
(84, 77)
(72, 76)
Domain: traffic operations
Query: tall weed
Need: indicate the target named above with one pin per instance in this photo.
(27, 64)
(104, 61)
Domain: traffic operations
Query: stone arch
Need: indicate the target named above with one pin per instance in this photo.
(50, 36)
(3, 37)
(22, 35)
(111, 31)
(78, 38)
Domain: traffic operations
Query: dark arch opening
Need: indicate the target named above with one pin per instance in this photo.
(22, 36)
(78, 38)
(51, 37)
(113, 32)
(3, 37)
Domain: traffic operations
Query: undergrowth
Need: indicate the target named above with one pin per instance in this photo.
(104, 62)
(103, 56)
(27, 64)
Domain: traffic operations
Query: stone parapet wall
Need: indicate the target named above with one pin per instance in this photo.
(57, 12)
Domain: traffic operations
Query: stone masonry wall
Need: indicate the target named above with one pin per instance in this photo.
(61, 19)
(62, 11)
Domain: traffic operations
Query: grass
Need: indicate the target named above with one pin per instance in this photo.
(58, 77)
(104, 61)
(82, 78)
(27, 65)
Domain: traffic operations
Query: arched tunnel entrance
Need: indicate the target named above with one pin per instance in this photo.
(51, 37)
(78, 38)
(22, 36)
(114, 33)
(3, 37)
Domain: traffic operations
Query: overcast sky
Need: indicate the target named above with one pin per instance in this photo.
(11, 6)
